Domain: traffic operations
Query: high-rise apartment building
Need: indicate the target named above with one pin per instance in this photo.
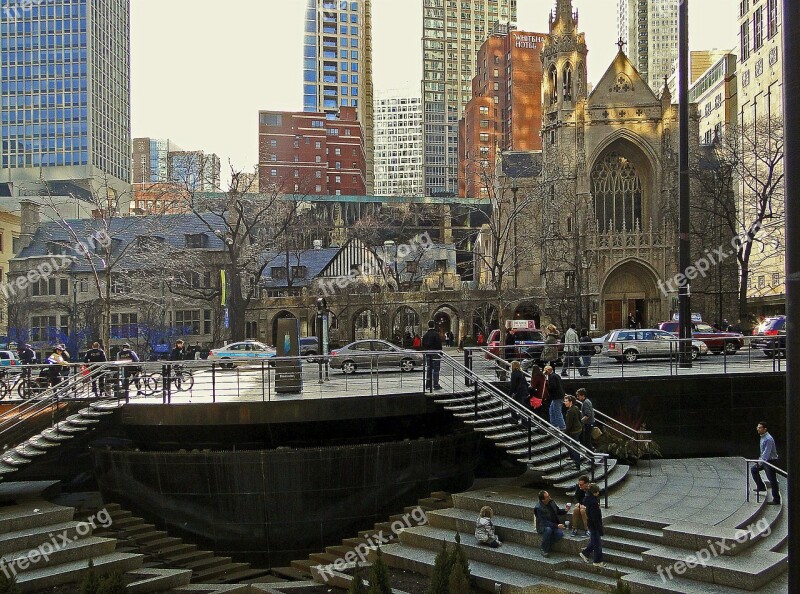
(509, 69)
(65, 86)
(151, 159)
(161, 161)
(337, 64)
(760, 76)
(716, 94)
(398, 146)
(308, 153)
(650, 30)
(452, 32)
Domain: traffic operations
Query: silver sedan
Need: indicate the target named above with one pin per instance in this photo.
(373, 354)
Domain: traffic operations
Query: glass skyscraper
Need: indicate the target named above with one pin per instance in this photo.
(65, 94)
(337, 64)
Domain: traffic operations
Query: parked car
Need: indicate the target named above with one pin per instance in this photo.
(309, 346)
(529, 344)
(8, 358)
(632, 345)
(716, 340)
(241, 352)
(366, 354)
(770, 336)
(598, 343)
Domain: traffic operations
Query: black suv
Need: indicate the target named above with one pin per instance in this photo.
(309, 346)
(770, 336)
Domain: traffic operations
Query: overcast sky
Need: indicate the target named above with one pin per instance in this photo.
(201, 69)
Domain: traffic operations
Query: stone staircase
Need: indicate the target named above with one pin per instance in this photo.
(44, 546)
(13, 459)
(366, 541)
(159, 550)
(544, 455)
(638, 550)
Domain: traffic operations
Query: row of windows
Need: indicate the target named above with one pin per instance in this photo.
(761, 281)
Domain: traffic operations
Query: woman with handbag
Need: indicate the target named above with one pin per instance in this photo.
(538, 390)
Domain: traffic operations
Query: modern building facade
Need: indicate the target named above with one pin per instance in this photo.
(398, 146)
(161, 161)
(151, 159)
(509, 68)
(65, 85)
(308, 153)
(650, 30)
(760, 109)
(452, 33)
(715, 92)
(337, 64)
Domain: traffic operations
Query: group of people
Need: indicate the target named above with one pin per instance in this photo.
(578, 349)
(549, 525)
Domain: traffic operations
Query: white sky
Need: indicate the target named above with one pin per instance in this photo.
(201, 69)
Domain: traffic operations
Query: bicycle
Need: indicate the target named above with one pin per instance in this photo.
(181, 378)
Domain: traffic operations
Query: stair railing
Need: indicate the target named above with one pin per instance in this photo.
(748, 464)
(532, 422)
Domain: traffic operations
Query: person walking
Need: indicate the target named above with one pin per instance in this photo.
(416, 342)
(555, 390)
(571, 348)
(586, 352)
(480, 340)
(27, 357)
(587, 416)
(484, 528)
(538, 390)
(94, 356)
(177, 353)
(573, 428)
(432, 341)
(519, 386)
(129, 372)
(595, 520)
(57, 363)
(769, 453)
(509, 352)
(550, 350)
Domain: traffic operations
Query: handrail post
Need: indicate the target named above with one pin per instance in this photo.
(747, 480)
(476, 400)
(530, 437)
(605, 478)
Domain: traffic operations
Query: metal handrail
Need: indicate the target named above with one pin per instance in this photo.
(747, 463)
(532, 419)
(636, 435)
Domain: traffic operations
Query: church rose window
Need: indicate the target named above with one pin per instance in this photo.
(617, 192)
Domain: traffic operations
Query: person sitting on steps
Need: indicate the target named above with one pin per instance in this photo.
(484, 528)
(546, 514)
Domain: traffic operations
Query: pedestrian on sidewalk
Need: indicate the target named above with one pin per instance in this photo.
(595, 518)
(538, 391)
(769, 453)
(574, 428)
(484, 528)
(571, 350)
(432, 341)
(94, 357)
(546, 515)
(586, 352)
(550, 350)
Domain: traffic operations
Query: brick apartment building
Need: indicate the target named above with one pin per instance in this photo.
(505, 111)
(307, 153)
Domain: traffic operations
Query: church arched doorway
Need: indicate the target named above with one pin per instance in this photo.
(630, 293)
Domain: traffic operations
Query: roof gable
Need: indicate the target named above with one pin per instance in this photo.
(621, 85)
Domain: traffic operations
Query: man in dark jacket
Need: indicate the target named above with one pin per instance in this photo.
(546, 513)
(595, 519)
(95, 355)
(431, 341)
(574, 427)
(177, 353)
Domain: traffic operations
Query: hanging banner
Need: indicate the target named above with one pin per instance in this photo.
(223, 300)
(226, 320)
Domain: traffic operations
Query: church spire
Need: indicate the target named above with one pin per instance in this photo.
(565, 14)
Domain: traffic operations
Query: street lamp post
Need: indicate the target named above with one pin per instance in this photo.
(322, 337)
(514, 251)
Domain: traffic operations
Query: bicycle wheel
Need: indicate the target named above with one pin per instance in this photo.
(151, 383)
(25, 389)
(184, 381)
(5, 389)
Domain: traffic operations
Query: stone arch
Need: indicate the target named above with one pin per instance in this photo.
(566, 81)
(630, 287)
(623, 183)
(623, 134)
(552, 84)
(446, 317)
(281, 315)
(405, 324)
(528, 310)
(366, 324)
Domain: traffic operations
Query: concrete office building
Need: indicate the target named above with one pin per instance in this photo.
(398, 146)
(452, 32)
(650, 30)
(65, 111)
(509, 68)
(337, 64)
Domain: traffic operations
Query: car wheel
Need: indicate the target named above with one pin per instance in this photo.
(598, 349)
(311, 356)
(695, 353)
(407, 365)
(768, 354)
(348, 367)
(631, 356)
(226, 363)
(731, 348)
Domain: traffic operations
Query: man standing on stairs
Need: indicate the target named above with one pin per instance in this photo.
(546, 514)
(555, 389)
(96, 355)
(574, 428)
(595, 516)
(769, 453)
(431, 341)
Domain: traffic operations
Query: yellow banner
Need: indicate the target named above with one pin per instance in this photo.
(224, 294)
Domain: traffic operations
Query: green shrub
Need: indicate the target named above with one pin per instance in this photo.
(112, 584)
(8, 585)
(357, 584)
(91, 581)
(442, 567)
(379, 580)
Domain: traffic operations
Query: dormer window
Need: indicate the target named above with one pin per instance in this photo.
(299, 271)
(196, 240)
(278, 272)
(149, 241)
(56, 248)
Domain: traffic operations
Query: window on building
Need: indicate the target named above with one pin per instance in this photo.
(44, 287)
(206, 321)
(83, 285)
(196, 240)
(569, 280)
(120, 285)
(124, 325)
(43, 328)
(299, 271)
(484, 136)
(744, 40)
(273, 172)
(758, 28)
(762, 281)
(273, 143)
(187, 322)
(317, 123)
(278, 272)
(271, 119)
(776, 279)
(412, 267)
(772, 17)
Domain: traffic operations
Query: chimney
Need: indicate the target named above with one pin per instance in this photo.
(317, 244)
(30, 219)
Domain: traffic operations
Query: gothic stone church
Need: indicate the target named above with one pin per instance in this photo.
(607, 232)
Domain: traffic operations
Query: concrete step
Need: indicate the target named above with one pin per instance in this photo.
(490, 411)
(244, 575)
(182, 559)
(69, 427)
(137, 528)
(12, 458)
(127, 522)
(207, 563)
(80, 420)
(157, 580)
(521, 441)
(543, 458)
(45, 556)
(7, 468)
(303, 565)
(649, 582)
(484, 575)
(29, 450)
(586, 575)
(56, 436)
(436, 502)
(323, 558)
(467, 407)
(30, 538)
(108, 404)
(94, 413)
(177, 549)
(491, 422)
(504, 436)
(33, 513)
(38, 579)
(634, 533)
(621, 543)
(617, 474)
(148, 536)
(511, 503)
(42, 443)
(218, 571)
(154, 547)
(289, 573)
(542, 445)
